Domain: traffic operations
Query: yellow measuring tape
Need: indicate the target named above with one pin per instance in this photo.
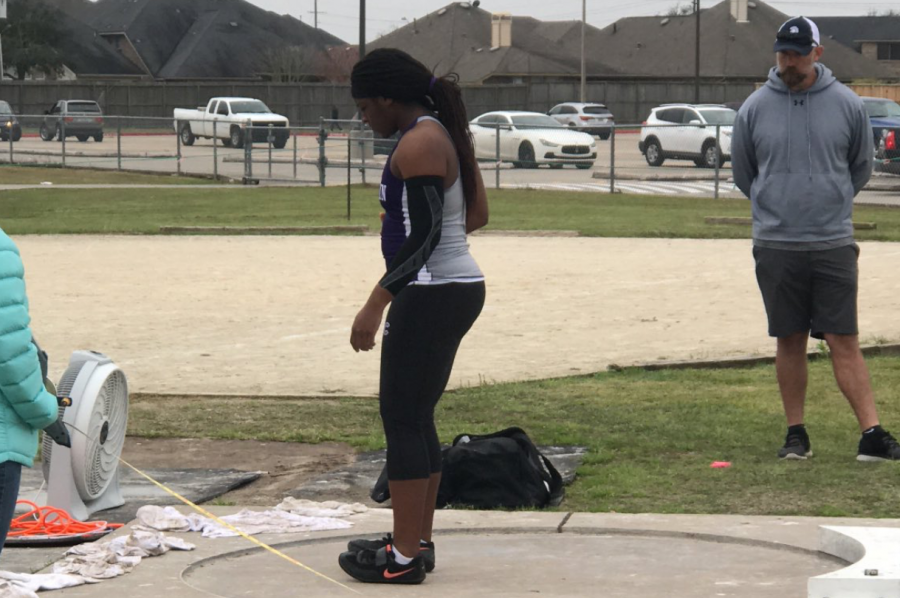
(203, 511)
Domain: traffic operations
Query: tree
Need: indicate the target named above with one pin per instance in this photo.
(288, 64)
(336, 63)
(887, 13)
(30, 37)
(680, 10)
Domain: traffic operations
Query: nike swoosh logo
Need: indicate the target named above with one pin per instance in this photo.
(389, 575)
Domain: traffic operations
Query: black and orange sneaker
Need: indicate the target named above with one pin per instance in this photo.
(379, 566)
(426, 549)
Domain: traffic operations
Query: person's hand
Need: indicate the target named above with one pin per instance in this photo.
(365, 327)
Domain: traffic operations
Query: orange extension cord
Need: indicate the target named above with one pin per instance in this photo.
(53, 522)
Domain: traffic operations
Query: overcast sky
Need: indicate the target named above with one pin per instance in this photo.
(341, 17)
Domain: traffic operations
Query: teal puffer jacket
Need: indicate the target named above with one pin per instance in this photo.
(25, 406)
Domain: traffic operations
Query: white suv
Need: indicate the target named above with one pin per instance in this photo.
(693, 140)
(591, 118)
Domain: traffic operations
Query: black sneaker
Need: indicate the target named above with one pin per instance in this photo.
(796, 446)
(379, 566)
(878, 445)
(426, 551)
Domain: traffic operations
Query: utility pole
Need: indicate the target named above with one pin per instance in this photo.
(316, 14)
(583, 68)
(362, 29)
(697, 55)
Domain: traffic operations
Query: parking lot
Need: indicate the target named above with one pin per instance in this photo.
(161, 152)
(619, 166)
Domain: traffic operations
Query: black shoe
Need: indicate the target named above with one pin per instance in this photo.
(796, 446)
(379, 566)
(878, 445)
(426, 551)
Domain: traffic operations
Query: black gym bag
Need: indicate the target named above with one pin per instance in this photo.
(500, 470)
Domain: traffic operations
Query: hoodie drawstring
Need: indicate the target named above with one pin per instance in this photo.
(790, 110)
(809, 133)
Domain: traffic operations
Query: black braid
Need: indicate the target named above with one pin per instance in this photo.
(394, 74)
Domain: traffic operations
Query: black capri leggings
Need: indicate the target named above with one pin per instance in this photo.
(422, 332)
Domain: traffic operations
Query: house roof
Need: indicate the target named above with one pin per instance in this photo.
(203, 38)
(86, 52)
(852, 31)
(457, 38)
(663, 47)
(648, 47)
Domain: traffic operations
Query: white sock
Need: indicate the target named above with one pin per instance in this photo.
(399, 558)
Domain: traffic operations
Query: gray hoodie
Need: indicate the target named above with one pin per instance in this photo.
(801, 158)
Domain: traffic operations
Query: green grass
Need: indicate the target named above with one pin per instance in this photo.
(33, 175)
(143, 211)
(651, 436)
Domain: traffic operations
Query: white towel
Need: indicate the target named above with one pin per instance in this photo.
(273, 521)
(91, 563)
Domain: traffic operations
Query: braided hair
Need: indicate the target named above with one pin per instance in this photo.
(393, 74)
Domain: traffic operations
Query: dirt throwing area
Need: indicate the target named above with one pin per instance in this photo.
(271, 315)
(284, 465)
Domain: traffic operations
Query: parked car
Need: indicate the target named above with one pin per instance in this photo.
(888, 153)
(884, 115)
(227, 118)
(591, 118)
(529, 139)
(695, 140)
(81, 119)
(9, 124)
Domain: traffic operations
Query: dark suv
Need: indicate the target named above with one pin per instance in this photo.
(81, 119)
(884, 115)
(9, 124)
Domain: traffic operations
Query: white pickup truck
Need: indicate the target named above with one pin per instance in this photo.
(226, 119)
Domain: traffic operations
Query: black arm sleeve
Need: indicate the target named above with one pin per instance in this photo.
(425, 201)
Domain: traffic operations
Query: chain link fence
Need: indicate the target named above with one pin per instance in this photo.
(521, 152)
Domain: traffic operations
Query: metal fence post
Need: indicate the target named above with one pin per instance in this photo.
(349, 151)
(119, 142)
(294, 135)
(248, 152)
(178, 149)
(215, 150)
(323, 135)
(62, 131)
(718, 132)
(11, 158)
(612, 160)
(362, 151)
(497, 173)
(269, 140)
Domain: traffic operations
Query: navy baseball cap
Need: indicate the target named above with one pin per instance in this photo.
(798, 34)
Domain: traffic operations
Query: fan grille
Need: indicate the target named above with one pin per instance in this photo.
(63, 390)
(107, 420)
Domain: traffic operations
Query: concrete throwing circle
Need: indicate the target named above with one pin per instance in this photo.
(535, 564)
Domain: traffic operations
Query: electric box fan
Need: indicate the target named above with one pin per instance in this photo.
(84, 479)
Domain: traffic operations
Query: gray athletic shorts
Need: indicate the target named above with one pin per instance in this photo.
(811, 291)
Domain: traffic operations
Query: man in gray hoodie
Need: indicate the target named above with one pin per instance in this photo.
(801, 151)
